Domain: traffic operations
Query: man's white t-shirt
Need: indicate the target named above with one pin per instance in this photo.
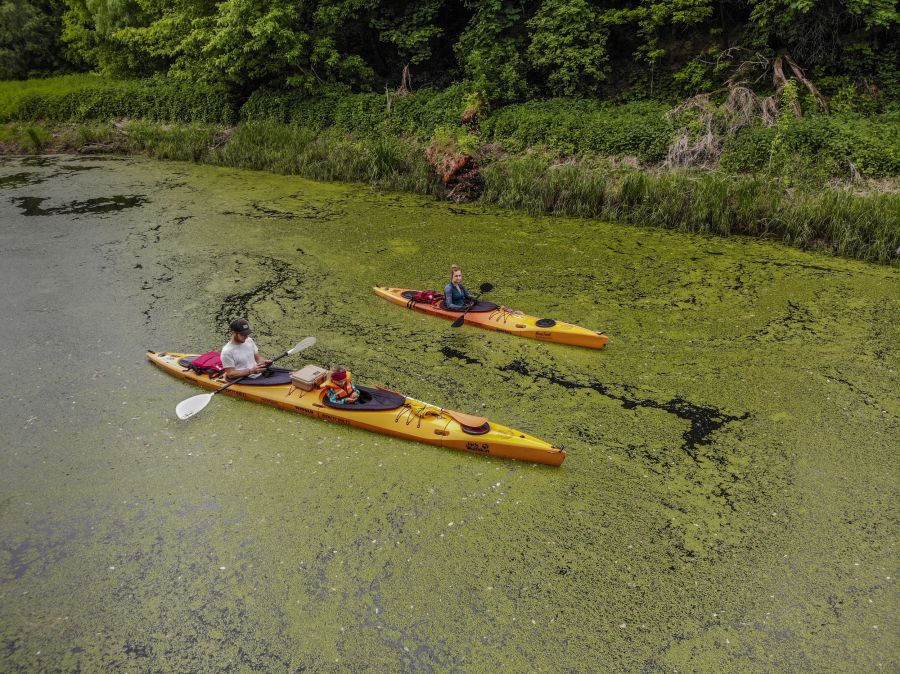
(240, 356)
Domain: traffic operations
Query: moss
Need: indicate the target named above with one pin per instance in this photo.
(725, 505)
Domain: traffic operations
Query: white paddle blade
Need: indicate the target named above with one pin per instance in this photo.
(300, 346)
(188, 408)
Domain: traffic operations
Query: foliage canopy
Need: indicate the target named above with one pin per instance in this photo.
(507, 50)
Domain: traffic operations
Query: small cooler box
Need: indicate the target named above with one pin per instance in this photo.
(308, 377)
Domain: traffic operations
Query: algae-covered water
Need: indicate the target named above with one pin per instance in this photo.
(729, 502)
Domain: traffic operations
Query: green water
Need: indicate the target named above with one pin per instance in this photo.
(729, 502)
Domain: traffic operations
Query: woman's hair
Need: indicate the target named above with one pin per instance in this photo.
(453, 269)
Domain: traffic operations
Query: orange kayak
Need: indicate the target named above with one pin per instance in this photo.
(502, 319)
(382, 411)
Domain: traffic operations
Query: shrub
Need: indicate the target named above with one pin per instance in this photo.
(416, 114)
(749, 150)
(573, 127)
(156, 99)
(872, 145)
(12, 92)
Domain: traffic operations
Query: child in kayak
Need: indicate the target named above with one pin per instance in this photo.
(456, 297)
(339, 386)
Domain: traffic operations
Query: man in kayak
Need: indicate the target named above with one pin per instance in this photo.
(240, 356)
(456, 297)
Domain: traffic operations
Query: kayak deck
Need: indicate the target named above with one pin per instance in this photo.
(411, 420)
(503, 319)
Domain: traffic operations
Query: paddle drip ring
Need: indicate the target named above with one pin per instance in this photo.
(545, 322)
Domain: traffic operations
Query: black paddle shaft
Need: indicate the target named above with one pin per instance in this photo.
(485, 288)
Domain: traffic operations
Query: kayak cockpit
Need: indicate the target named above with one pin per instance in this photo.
(370, 400)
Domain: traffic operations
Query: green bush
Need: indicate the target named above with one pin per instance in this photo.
(833, 141)
(749, 150)
(574, 127)
(153, 99)
(415, 115)
(12, 92)
(419, 114)
(291, 107)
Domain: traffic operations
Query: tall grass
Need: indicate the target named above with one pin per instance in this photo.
(839, 222)
(385, 161)
(176, 142)
(161, 141)
(835, 221)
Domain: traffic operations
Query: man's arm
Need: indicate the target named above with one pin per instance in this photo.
(237, 373)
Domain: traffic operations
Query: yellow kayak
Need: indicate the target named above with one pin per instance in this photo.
(502, 319)
(381, 411)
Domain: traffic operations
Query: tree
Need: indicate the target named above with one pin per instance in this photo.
(90, 28)
(820, 31)
(30, 38)
(568, 46)
(490, 50)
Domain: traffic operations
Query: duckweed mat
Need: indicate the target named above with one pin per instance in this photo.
(729, 502)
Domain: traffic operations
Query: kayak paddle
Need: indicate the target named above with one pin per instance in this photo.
(195, 404)
(485, 288)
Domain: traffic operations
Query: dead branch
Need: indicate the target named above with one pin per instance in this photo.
(800, 75)
(405, 82)
(742, 108)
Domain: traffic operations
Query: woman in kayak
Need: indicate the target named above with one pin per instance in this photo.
(456, 297)
(339, 386)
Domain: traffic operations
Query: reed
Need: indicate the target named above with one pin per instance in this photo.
(189, 142)
(864, 226)
(24, 138)
(385, 161)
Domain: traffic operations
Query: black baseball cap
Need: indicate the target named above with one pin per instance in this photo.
(240, 325)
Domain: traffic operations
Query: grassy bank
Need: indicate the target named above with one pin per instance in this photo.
(835, 221)
(819, 182)
(83, 98)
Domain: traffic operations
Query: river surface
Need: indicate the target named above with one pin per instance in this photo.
(729, 503)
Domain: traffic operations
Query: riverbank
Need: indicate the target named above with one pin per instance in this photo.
(825, 183)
